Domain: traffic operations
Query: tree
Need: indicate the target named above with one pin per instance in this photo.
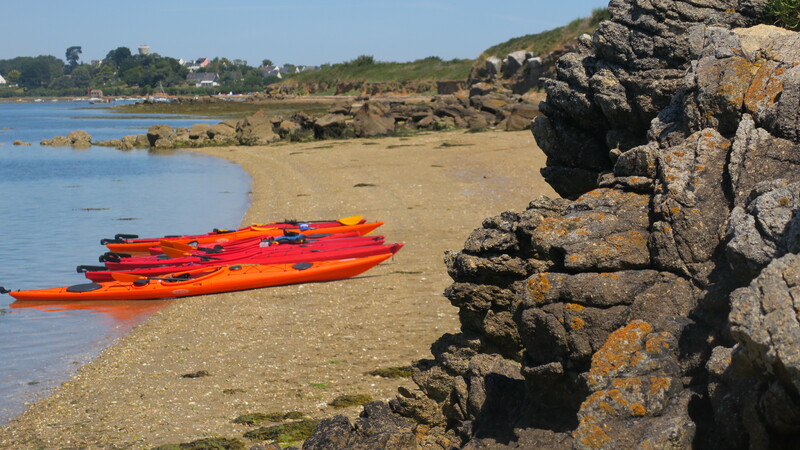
(39, 71)
(13, 76)
(119, 56)
(73, 55)
(266, 62)
(81, 76)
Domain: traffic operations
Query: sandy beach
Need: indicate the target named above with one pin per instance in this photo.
(296, 348)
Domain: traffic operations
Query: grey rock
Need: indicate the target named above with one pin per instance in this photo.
(373, 119)
(256, 129)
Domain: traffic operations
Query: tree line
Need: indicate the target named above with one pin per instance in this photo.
(121, 73)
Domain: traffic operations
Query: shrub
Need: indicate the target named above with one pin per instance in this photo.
(785, 13)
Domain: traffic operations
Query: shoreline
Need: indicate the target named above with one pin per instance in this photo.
(296, 348)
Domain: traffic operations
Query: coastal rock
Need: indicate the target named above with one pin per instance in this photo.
(635, 64)
(222, 132)
(333, 126)
(21, 142)
(373, 119)
(521, 117)
(655, 305)
(161, 136)
(256, 129)
(753, 385)
(77, 138)
(199, 131)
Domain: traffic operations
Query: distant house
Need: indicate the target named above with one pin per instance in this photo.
(272, 71)
(199, 63)
(279, 71)
(2, 80)
(203, 79)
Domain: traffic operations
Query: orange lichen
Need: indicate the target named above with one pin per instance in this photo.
(577, 323)
(638, 410)
(592, 436)
(607, 408)
(617, 351)
(658, 343)
(659, 385)
(574, 307)
(538, 287)
(627, 383)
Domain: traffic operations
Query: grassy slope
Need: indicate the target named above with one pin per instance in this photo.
(550, 40)
(428, 69)
(434, 69)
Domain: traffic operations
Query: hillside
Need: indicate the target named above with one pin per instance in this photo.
(364, 75)
(550, 40)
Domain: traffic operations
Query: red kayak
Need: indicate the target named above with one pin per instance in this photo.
(133, 244)
(254, 250)
(255, 241)
(323, 254)
(206, 280)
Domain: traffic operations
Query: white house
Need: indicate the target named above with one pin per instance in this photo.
(203, 79)
(2, 80)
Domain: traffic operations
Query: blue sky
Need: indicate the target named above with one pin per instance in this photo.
(291, 31)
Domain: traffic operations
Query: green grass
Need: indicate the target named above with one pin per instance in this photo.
(785, 13)
(286, 433)
(258, 418)
(227, 110)
(206, 444)
(366, 69)
(550, 40)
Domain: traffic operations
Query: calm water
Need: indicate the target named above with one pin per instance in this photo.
(55, 206)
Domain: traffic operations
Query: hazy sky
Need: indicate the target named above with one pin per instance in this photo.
(290, 31)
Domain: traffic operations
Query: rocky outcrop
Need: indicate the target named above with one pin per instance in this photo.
(345, 119)
(606, 93)
(77, 138)
(656, 306)
(256, 129)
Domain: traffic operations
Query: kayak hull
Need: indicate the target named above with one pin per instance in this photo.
(143, 245)
(208, 281)
(275, 258)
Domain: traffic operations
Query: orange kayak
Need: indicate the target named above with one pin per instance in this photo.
(143, 245)
(206, 281)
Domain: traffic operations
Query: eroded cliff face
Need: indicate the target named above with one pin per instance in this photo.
(657, 306)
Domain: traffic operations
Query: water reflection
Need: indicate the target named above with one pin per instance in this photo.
(126, 313)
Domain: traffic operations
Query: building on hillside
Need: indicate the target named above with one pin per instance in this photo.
(199, 63)
(2, 80)
(144, 50)
(272, 71)
(203, 79)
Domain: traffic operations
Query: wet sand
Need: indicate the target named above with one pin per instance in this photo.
(296, 348)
